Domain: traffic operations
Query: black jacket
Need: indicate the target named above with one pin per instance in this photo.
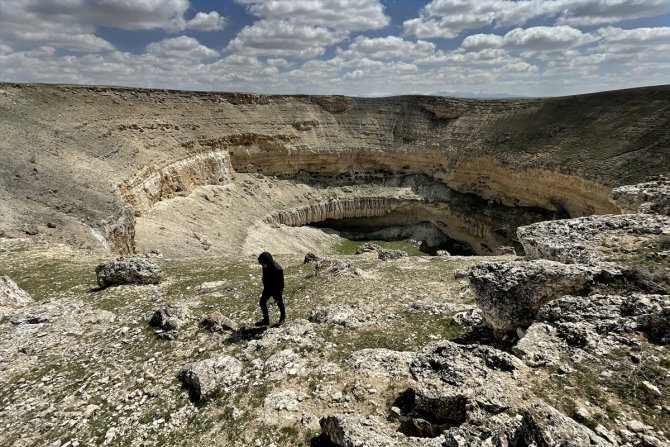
(273, 275)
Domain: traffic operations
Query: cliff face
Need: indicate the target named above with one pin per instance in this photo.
(75, 157)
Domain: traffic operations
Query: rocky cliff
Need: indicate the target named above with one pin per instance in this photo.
(73, 159)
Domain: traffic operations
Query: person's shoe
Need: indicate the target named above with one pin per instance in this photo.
(262, 323)
(278, 323)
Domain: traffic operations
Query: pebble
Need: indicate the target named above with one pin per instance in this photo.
(650, 388)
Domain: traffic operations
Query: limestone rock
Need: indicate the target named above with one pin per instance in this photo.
(206, 377)
(544, 426)
(579, 319)
(132, 270)
(169, 318)
(216, 322)
(540, 346)
(386, 254)
(367, 248)
(505, 250)
(340, 314)
(12, 297)
(462, 383)
(471, 318)
(651, 314)
(298, 333)
(511, 293)
(382, 363)
(347, 430)
(650, 197)
(583, 240)
(284, 363)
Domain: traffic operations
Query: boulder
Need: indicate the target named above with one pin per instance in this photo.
(12, 297)
(544, 426)
(650, 197)
(132, 270)
(462, 383)
(205, 378)
(169, 318)
(510, 293)
(347, 430)
(385, 254)
(367, 248)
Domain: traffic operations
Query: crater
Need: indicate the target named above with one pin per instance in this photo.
(239, 173)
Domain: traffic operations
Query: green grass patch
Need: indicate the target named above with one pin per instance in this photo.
(348, 246)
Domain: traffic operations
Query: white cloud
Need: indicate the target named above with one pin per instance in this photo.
(477, 42)
(342, 15)
(182, 47)
(592, 12)
(206, 21)
(449, 18)
(546, 38)
(283, 39)
(390, 47)
(124, 14)
(538, 38)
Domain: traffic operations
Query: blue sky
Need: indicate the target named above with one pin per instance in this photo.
(351, 47)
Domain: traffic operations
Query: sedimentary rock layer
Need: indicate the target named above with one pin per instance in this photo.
(75, 156)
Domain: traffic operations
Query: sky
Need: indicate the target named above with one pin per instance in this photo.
(497, 48)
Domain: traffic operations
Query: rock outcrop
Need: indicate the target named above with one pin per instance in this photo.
(12, 297)
(592, 239)
(650, 197)
(510, 293)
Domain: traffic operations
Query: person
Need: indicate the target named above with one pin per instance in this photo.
(273, 287)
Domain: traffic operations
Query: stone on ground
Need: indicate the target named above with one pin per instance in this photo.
(131, 270)
(206, 377)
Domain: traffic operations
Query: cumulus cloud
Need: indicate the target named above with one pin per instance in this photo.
(538, 38)
(449, 18)
(343, 15)
(206, 21)
(593, 12)
(390, 47)
(182, 47)
(284, 39)
(303, 29)
(124, 14)
(72, 24)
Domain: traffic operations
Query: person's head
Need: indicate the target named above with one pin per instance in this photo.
(265, 259)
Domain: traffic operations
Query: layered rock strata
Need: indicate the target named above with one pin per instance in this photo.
(77, 155)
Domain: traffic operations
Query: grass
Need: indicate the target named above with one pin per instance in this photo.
(383, 293)
(348, 246)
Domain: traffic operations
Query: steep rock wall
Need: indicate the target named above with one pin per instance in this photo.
(81, 153)
(152, 185)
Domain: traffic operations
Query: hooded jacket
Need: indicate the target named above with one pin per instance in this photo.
(273, 275)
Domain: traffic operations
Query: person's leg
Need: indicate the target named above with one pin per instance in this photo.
(264, 308)
(282, 311)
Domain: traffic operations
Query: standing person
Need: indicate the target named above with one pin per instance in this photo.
(273, 286)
